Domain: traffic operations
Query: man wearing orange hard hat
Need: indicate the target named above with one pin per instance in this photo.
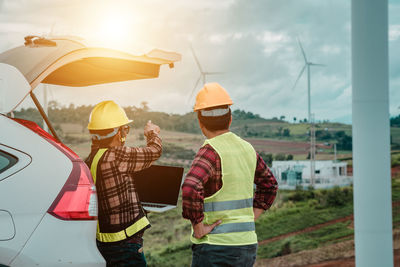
(218, 191)
(121, 220)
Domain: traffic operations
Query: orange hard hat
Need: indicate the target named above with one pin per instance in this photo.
(212, 95)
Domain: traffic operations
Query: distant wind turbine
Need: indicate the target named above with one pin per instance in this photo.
(307, 65)
(203, 74)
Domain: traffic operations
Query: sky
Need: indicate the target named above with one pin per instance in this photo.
(253, 43)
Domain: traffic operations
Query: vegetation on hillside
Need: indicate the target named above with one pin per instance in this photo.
(246, 124)
(395, 121)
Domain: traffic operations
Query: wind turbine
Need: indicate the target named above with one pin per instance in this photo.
(203, 74)
(307, 64)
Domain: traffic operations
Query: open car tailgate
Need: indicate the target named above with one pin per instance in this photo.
(67, 62)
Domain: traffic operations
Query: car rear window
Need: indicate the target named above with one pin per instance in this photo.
(6, 161)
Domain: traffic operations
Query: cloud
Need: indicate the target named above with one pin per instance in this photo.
(252, 43)
(394, 32)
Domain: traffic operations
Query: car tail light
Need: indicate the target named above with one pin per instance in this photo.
(77, 199)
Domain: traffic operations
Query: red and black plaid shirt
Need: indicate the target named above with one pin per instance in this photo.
(119, 204)
(205, 178)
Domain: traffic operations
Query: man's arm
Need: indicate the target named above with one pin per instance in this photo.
(266, 188)
(257, 212)
(132, 159)
(202, 169)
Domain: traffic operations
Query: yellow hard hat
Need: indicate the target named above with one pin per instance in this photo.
(107, 115)
(212, 95)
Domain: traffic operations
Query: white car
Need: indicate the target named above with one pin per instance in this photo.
(47, 196)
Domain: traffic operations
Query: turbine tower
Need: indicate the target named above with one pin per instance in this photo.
(203, 74)
(307, 65)
(311, 117)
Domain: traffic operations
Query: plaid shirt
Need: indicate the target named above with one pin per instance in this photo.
(205, 178)
(119, 204)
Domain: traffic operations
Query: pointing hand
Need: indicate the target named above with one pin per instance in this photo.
(151, 127)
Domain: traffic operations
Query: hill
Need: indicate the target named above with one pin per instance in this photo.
(274, 136)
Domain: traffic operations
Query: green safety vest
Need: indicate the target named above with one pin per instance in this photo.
(233, 203)
(127, 232)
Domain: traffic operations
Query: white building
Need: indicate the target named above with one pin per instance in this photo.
(327, 173)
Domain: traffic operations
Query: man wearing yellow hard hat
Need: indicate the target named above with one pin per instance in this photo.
(218, 192)
(121, 219)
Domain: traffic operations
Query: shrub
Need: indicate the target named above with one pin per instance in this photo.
(300, 194)
(280, 156)
(336, 197)
(266, 157)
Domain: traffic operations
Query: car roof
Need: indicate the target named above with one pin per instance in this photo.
(66, 61)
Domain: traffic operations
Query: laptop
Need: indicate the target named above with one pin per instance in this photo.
(158, 187)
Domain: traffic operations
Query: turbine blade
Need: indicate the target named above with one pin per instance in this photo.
(195, 58)
(298, 77)
(210, 73)
(302, 50)
(319, 65)
(194, 89)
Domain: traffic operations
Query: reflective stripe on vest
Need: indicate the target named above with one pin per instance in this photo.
(95, 162)
(234, 227)
(121, 235)
(130, 230)
(228, 205)
(233, 203)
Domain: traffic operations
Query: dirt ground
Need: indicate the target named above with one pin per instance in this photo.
(334, 255)
(350, 262)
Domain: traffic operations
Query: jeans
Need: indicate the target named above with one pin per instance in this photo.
(122, 254)
(223, 256)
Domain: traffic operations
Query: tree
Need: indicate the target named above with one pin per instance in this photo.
(266, 157)
(395, 121)
(340, 134)
(280, 156)
(144, 106)
(323, 135)
(53, 105)
(286, 132)
(294, 119)
(280, 129)
(282, 117)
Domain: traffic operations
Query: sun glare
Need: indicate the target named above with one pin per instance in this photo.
(114, 27)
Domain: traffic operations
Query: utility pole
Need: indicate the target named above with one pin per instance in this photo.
(334, 152)
(373, 234)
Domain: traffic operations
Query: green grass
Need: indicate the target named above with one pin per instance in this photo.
(396, 189)
(286, 220)
(326, 235)
(395, 133)
(176, 255)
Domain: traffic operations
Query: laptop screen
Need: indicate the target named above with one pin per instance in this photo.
(159, 184)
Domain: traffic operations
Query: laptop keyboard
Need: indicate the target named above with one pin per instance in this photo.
(154, 205)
